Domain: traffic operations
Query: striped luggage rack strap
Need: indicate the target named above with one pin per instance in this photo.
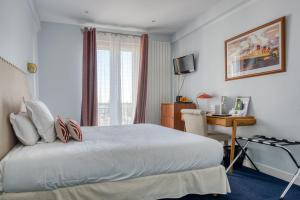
(272, 141)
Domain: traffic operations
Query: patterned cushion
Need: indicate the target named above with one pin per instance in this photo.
(74, 130)
(62, 130)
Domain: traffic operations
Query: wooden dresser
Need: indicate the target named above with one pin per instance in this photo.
(171, 116)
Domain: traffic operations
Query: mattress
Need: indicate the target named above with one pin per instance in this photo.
(107, 154)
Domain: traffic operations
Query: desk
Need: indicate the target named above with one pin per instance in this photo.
(234, 122)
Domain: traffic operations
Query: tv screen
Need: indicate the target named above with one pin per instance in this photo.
(184, 65)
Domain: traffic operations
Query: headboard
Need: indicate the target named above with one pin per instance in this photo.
(13, 87)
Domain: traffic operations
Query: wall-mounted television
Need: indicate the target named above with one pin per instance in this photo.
(184, 64)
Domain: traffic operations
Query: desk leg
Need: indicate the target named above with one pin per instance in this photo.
(233, 136)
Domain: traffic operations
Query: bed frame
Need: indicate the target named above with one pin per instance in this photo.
(13, 87)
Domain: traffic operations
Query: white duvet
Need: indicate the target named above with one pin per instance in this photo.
(107, 154)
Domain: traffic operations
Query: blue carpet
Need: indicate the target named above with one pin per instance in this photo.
(247, 184)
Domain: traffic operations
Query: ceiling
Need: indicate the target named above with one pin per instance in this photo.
(159, 16)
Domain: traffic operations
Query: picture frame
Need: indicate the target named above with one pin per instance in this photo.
(241, 106)
(257, 52)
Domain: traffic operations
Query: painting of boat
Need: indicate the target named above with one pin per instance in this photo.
(256, 52)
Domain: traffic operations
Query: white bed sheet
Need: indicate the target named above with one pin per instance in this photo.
(107, 154)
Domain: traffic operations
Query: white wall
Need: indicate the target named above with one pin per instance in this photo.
(18, 35)
(275, 98)
(60, 58)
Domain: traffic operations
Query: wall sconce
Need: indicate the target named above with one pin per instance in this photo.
(31, 68)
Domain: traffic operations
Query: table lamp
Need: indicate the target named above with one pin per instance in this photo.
(204, 97)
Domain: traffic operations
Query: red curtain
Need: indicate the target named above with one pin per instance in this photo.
(142, 82)
(89, 113)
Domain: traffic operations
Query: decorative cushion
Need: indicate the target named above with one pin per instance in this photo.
(75, 130)
(42, 119)
(62, 130)
(24, 129)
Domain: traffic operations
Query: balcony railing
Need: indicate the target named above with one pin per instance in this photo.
(104, 116)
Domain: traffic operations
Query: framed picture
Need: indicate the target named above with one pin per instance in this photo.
(240, 106)
(257, 52)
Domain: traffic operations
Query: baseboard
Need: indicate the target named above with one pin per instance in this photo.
(283, 175)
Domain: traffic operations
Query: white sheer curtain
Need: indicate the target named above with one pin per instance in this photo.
(118, 69)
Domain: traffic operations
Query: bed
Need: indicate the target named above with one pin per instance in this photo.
(120, 162)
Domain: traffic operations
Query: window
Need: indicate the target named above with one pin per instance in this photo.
(103, 65)
(117, 60)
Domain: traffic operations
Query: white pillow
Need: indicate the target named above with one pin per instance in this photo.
(42, 119)
(24, 129)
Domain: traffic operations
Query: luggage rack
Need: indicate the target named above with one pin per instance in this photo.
(271, 141)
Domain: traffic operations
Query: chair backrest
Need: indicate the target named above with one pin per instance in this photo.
(195, 121)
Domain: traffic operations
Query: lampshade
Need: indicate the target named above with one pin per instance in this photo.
(31, 67)
(204, 96)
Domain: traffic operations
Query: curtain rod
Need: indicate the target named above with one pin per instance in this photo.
(125, 34)
(109, 29)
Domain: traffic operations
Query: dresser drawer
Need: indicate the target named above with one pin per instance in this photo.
(167, 110)
(171, 115)
(218, 121)
(167, 122)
